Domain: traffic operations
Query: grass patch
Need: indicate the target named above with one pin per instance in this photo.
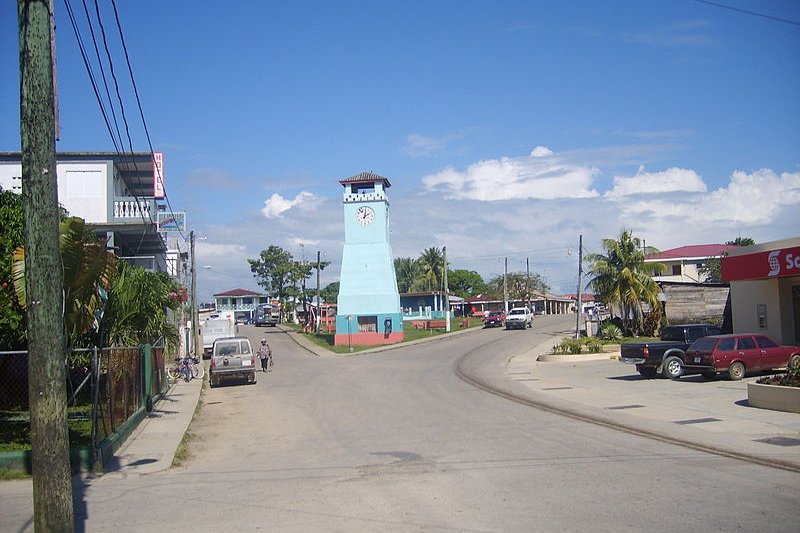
(15, 431)
(8, 475)
(326, 340)
(183, 454)
(626, 340)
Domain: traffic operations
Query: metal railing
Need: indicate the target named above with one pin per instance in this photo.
(106, 390)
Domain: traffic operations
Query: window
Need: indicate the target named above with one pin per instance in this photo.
(368, 324)
(765, 342)
(746, 343)
(726, 345)
(695, 332)
(676, 270)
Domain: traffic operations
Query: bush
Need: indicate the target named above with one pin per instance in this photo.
(609, 331)
(594, 345)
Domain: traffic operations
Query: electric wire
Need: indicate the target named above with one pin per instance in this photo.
(748, 12)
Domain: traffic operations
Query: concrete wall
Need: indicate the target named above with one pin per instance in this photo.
(776, 297)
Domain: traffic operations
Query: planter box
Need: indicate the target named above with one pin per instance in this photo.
(775, 397)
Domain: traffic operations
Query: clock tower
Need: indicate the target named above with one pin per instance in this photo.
(368, 307)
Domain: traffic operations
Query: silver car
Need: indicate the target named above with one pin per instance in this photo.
(232, 358)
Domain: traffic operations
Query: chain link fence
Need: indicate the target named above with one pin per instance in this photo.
(105, 388)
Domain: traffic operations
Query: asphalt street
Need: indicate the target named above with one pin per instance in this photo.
(397, 441)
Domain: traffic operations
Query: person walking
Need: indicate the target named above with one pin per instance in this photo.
(265, 354)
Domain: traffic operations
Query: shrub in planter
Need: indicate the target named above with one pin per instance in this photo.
(790, 379)
(594, 346)
(609, 331)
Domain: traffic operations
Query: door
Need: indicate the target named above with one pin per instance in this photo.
(772, 355)
(747, 352)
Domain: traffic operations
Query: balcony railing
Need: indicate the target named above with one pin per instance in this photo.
(133, 209)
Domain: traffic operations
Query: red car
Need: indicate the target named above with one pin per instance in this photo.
(738, 354)
(494, 318)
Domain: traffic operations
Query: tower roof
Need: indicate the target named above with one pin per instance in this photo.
(366, 177)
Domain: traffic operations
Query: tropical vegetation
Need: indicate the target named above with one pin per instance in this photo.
(620, 278)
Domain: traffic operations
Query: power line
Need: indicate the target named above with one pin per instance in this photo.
(748, 12)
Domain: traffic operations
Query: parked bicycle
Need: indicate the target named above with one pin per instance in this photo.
(187, 367)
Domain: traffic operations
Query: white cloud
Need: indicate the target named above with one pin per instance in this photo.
(423, 146)
(541, 175)
(749, 200)
(671, 180)
(276, 205)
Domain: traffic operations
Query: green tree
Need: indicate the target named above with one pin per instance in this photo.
(89, 270)
(465, 283)
(276, 271)
(711, 270)
(141, 309)
(407, 271)
(520, 286)
(330, 292)
(431, 264)
(12, 316)
(619, 277)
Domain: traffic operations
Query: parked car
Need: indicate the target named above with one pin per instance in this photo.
(519, 317)
(665, 357)
(738, 354)
(232, 358)
(494, 318)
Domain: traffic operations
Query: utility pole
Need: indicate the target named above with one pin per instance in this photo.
(195, 324)
(505, 286)
(319, 304)
(528, 284)
(579, 309)
(44, 283)
(446, 296)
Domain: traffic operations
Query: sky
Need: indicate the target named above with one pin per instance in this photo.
(507, 129)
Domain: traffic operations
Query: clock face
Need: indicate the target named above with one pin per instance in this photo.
(365, 215)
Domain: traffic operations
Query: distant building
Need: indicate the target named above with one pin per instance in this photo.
(682, 264)
(241, 302)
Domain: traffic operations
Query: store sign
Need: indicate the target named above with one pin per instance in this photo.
(158, 174)
(169, 221)
(762, 265)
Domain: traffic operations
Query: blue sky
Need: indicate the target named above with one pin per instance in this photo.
(507, 129)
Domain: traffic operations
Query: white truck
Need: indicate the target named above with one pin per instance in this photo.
(216, 327)
(519, 317)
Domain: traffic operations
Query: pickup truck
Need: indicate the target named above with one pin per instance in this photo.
(665, 357)
(519, 317)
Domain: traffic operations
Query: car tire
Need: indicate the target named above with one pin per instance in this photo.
(709, 375)
(794, 362)
(647, 371)
(736, 371)
(673, 367)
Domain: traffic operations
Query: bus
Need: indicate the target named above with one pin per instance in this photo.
(266, 315)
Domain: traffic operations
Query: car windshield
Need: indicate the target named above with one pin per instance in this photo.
(227, 348)
(517, 312)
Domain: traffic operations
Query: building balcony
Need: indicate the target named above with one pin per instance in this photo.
(135, 210)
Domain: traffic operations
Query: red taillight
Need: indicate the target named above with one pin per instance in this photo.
(213, 360)
(646, 351)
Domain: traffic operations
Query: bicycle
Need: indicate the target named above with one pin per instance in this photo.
(188, 367)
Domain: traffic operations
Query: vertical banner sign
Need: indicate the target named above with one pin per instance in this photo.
(158, 175)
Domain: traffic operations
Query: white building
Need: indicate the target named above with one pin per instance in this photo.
(118, 195)
(683, 264)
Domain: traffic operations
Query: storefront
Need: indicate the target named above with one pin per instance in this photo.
(765, 289)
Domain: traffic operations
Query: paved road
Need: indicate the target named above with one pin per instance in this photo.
(395, 441)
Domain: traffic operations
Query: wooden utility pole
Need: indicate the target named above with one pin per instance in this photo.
(528, 280)
(44, 285)
(579, 309)
(505, 285)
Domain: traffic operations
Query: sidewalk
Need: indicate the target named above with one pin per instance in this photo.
(152, 446)
(710, 416)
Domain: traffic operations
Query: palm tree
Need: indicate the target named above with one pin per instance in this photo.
(140, 309)
(619, 278)
(431, 263)
(407, 271)
(88, 269)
